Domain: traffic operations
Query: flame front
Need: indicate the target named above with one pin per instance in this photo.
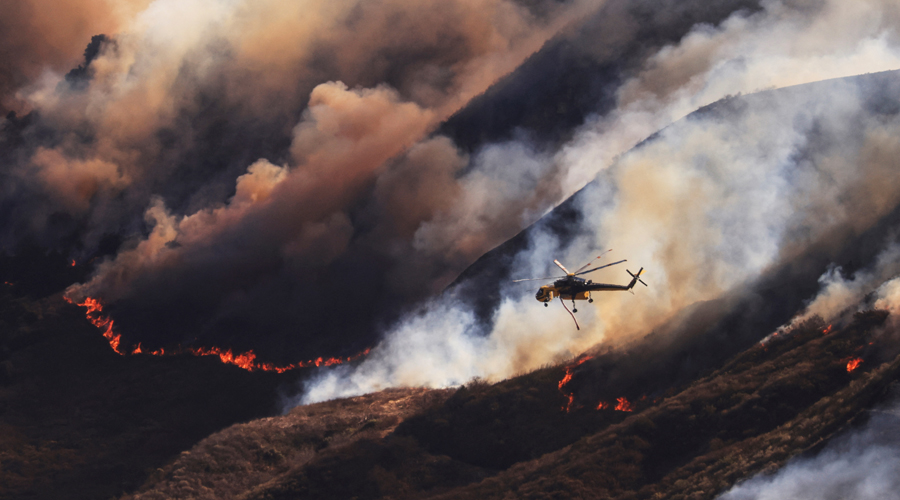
(95, 315)
(853, 364)
(246, 360)
(623, 405)
(565, 380)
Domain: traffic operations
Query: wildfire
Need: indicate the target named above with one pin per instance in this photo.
(565, 380)
(623, 405)
(246, 360)
(94, 314)
(827, 330)
(853, 364)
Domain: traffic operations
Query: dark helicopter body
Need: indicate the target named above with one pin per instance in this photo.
(574, 288)
(571, 287)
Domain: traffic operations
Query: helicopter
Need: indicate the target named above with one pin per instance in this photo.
(571, 287)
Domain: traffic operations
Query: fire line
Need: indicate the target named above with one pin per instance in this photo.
(246, 360)
(565, 380)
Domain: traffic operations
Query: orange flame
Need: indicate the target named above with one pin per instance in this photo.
(623, 405)
(853, 364)
(245, 360)
(603, 405)
(94, 314)
(73, 262)
(827, 330)
(565, 380)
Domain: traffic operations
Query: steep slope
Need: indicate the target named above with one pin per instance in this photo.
(245, 457)
(792, 278)
(763, 407)
(753, 413)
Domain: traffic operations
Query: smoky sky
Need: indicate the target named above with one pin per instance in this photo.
(185, 116)
(737, 211)
(274, 176)
(269, 176)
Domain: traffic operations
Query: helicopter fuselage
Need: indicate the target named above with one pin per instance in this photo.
(575, 288)
(569, 288)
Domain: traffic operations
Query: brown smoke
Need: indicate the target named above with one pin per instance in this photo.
(40, 34)
(277, 140)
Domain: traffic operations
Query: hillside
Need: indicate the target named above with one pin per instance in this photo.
(753, 413)
(79, 421)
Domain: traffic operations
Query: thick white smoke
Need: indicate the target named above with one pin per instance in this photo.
(839, 294)
(708, 205)
(861, 466)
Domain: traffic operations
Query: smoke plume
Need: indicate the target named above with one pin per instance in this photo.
(276, 176)
(708, 205)
(252, 162)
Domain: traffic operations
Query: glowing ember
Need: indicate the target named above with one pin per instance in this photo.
(565, 380)
(246, 360)
(73, 262)
(603, 405)
(853, 364)
(827, 330)
(623, 405)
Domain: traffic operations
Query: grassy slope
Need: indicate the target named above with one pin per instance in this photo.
(248, 457)
(763, 407)
(752, 414)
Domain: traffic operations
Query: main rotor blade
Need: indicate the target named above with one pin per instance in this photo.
(538, 279)
(601, 267)
(592, 260)
(561, 267)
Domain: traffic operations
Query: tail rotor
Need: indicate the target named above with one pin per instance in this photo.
(636, 277)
